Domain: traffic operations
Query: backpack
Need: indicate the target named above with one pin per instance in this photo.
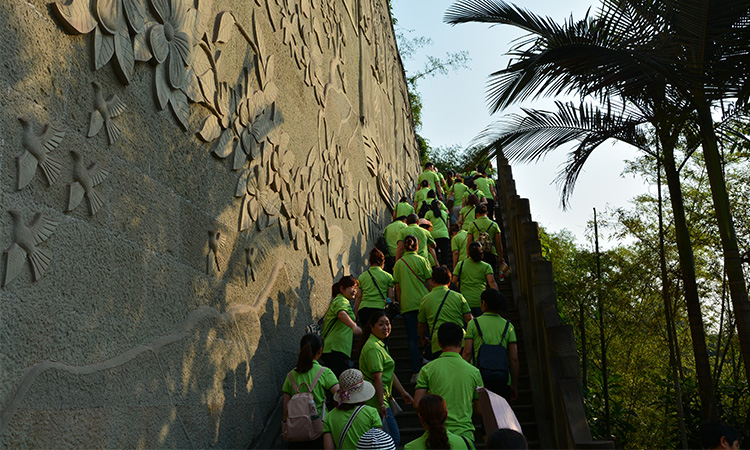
(303, 423)
(485, 239)
(382, 245)
(492, 360)
(424, 208)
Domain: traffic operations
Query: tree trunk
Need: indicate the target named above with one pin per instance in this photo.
(732, 257)
(687, 265)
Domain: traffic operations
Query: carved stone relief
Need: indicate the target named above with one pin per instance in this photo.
(35, 153)
(214, 257)
(26, 240)
(84, 180)
(104, 111)
(249, 265)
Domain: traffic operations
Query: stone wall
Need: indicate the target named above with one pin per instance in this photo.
(181, 180)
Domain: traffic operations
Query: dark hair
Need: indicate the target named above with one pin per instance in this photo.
(377, 258)
(482, 209)
(411, 243)
(441, 275)
(424, 183)
(367, 327)
(308, 348)
(455, 228)
(471, 184)
(472, 199)
(401, 218)
(459, 178)
(433, 412)
(428, 164)
(345, 282)
(435, 208)
(712, 431)
(431, 193)
(412, 218)
(450, 334)
(505, 438)
(475, 251)
(403, 199)
(494, 300)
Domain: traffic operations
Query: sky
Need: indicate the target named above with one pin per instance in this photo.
(454, 111)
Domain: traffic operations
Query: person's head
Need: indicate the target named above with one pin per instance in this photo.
(428, 165)
(412, 218)
(403, 199)
(346, 286)
(376, 258)
(472, 199)
(432, 413)
(431, 193)
(471, 184)
(493, 301)
(717, 434)
(376, 439)
(435, 208)
(379, 324)
(310, 349)
(505, 438)
(459, 178)
(455, 228)
(401, 218)
(475, 251)
(450, 334)
(425, 184)
(441, 275)
(411, 243)
(426, 224)
(481, 210)
(353, 389)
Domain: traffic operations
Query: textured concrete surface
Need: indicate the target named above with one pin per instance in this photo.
(282, 125)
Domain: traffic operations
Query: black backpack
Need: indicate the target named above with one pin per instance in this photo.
(492, 360)
(424, 208)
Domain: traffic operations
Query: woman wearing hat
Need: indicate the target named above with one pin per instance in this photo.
(378, 367)
(352, 417)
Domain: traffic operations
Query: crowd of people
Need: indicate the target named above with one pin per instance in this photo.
(437, 269)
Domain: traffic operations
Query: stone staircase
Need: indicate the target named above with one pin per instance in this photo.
(408, 421)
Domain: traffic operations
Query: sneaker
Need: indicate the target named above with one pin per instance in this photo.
(414, 378)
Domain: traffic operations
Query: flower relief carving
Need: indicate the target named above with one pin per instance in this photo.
(260, 204)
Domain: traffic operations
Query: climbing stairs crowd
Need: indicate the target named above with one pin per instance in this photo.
(407, 349)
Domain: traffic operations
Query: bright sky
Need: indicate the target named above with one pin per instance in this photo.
(454, 110)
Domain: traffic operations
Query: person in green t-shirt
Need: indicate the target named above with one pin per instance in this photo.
(458, 244)
(432, 177)
(483, 224)
(375, 287)
(492, 326)
(421, 195)
(307, 375)
(439, 306)
(391, 234)
(377, 366)
(426, 242)
(452, 378)
(353, 392)
(468, 212)
(403, 208)
(411, 274)
(472, 188)
(460, 191)
(432, 415)
(339, 327)
(440, 223)
(487, 186)
(472, 276)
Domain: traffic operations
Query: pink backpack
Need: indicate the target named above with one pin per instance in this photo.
(303, 423)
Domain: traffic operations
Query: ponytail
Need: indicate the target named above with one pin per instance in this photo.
(411, 243)
(433, 413)
(436, 211)
(308, 347)
(475, 251)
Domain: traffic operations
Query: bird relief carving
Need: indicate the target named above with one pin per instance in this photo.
(216, 242)
(84, 180)
(35, 153)
(104, 111)
(26, 240)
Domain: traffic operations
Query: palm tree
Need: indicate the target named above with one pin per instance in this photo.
(628, 52)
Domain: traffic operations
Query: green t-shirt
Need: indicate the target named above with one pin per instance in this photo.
(453, 311)
(458, 243)
(339, 338)
(392, 235)
(456, 381)
(424, 237)
(374, 292)
(492, 326)
(478, 192)
(484, 185)
(373, 359)
(336, 421)
(404, 209)
(439, 225)
(326, 381)
(469, 213)
(454, 441)
(411, 284)
(482, 224)
(460, 191)
(420, 196)
(473, 280)
(432, 177)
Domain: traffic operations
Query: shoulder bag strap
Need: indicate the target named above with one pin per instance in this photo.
(412, 270)
(466, 441)
(376, 283)
(330, 327)
(349, 424)
(481, 336)
(434, 322)
(505, 330)
(460, 269)
(294, 385)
